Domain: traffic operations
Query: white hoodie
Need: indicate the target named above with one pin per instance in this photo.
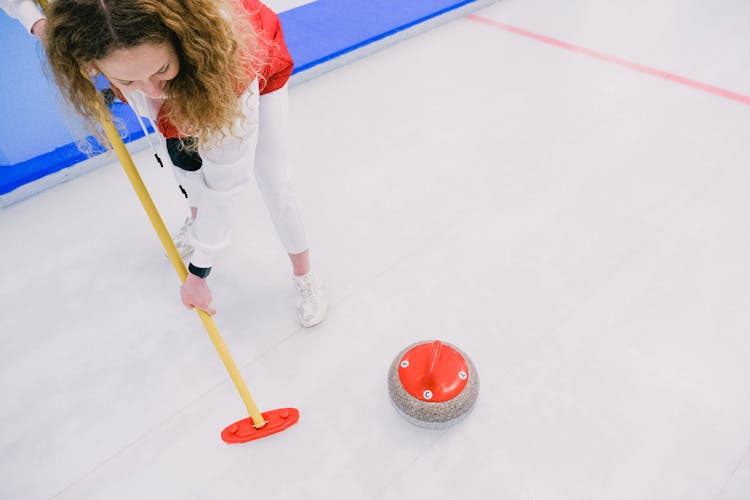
(225, 168)
(224, 175)
(26, 11)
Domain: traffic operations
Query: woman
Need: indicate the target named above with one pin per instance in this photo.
(214, 74)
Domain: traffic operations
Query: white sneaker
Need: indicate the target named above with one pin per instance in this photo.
(181, 240)
(311, 301)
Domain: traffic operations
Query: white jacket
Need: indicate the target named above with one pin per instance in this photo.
(224, 175)
(26, 11)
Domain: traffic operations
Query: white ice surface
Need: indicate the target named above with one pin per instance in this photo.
(580, 229)
(283, 5)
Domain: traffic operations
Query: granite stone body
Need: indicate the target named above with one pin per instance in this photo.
(433, 415)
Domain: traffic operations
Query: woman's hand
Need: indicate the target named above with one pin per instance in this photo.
(38, 30)
(195, 293)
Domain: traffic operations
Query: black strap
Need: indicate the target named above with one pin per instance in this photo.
(201, 272)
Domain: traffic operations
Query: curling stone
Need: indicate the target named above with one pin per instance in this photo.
(433, 384)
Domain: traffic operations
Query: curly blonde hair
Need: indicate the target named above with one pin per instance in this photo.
(214, 40)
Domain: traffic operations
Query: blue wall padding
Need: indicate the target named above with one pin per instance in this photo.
(31, 118)
(323, 30)
(36, 131)
(13, 176)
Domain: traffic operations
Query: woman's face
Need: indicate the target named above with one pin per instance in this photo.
(146, 67)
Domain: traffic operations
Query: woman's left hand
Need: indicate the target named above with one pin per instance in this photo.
(195, 293)
(39, 30)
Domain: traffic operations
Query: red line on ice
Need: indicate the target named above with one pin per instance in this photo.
(703, 87)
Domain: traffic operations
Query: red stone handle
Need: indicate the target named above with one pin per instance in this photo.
(432, 361)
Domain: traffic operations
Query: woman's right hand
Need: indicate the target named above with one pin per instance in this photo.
(195, 293)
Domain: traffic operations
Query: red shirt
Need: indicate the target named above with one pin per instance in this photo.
(273, 48)
(275, 71)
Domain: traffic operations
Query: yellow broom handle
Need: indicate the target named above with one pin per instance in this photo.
(166, 241)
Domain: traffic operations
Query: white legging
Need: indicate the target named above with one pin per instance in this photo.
(272, 172)
(259, 144)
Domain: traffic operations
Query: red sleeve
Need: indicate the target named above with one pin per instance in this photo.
(273, 49)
